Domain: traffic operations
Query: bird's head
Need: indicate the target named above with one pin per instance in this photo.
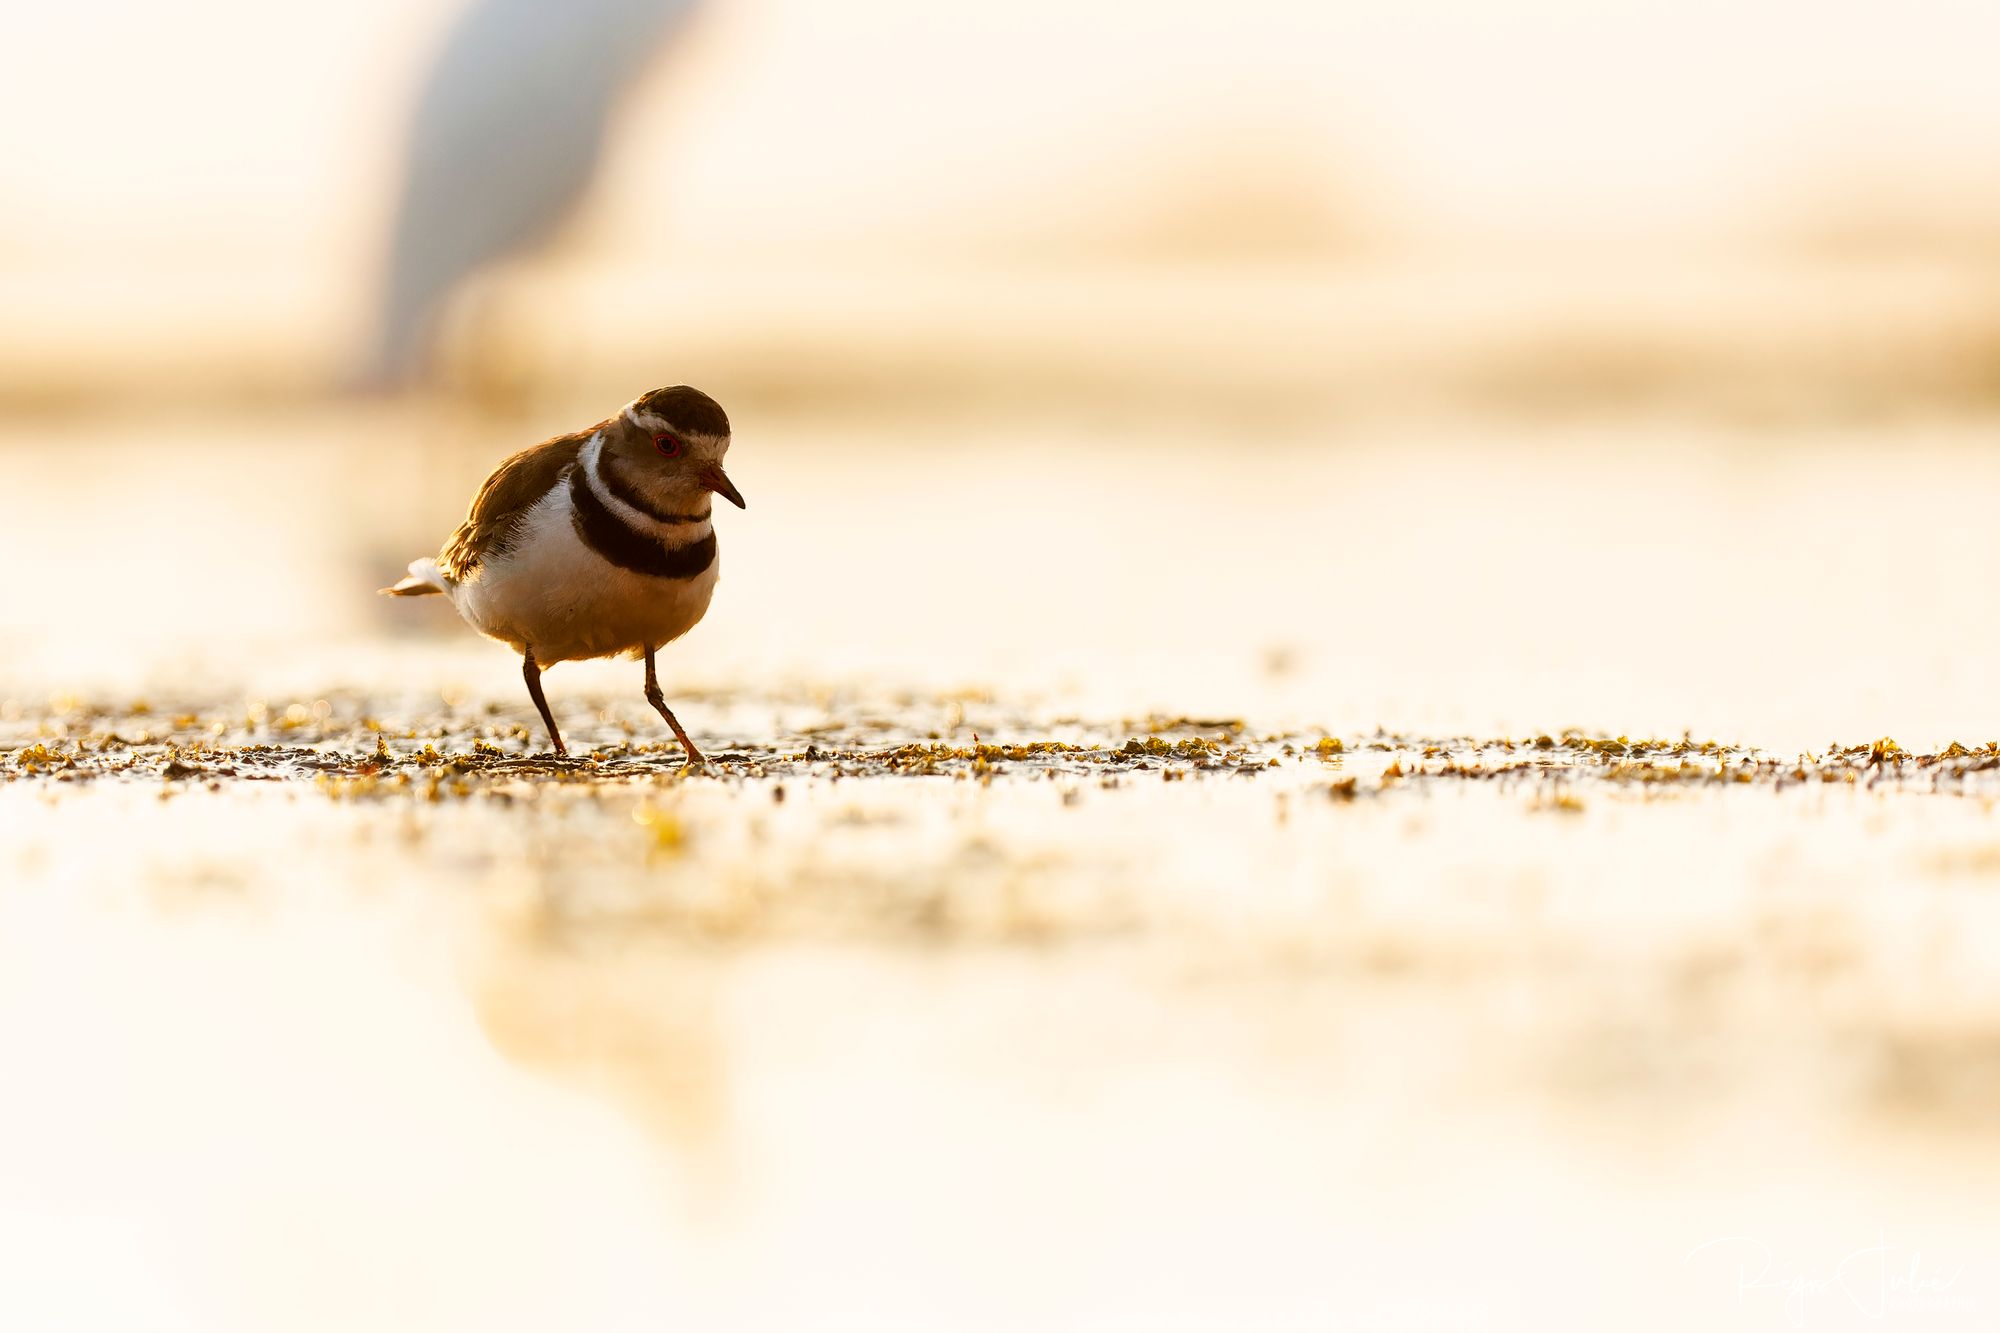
(669, 444)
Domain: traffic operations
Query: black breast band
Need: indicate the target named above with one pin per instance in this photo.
(621, 488)
(628, 548)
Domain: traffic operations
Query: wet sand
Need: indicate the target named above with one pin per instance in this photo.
(1133, 955)
(1166, 1021)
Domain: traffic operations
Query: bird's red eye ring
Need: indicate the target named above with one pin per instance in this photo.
(669, 446)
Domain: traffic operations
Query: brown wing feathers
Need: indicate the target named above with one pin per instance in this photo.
(508, 494)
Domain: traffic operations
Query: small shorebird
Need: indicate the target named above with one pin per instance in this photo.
(594, 543)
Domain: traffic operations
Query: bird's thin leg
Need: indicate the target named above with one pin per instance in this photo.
(533, 675)
(659, 701)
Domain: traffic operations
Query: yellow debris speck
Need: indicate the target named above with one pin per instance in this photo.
(664, 825)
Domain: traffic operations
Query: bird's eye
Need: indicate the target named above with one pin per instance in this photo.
(669, 446)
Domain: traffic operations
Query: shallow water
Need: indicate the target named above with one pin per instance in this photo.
(1022, 961)
(1187, 1024)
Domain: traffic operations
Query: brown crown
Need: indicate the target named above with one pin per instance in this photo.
(689, 409)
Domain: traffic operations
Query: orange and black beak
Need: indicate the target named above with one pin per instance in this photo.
(718, 481)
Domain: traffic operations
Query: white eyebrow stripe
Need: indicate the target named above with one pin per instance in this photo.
(645, 420)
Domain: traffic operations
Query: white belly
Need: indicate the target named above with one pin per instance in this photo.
(555, 595)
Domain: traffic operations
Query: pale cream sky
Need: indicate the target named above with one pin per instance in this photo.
(231, 127)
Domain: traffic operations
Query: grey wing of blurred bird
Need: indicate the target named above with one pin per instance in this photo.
(507, 133)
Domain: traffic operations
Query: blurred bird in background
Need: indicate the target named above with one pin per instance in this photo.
(508, 130)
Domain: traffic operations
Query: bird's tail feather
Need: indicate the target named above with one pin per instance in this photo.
(424, 579)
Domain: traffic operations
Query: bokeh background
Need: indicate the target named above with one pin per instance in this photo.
(1455, 366)
(1624, 365)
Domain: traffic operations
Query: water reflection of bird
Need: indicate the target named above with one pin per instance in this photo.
(507, 133)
